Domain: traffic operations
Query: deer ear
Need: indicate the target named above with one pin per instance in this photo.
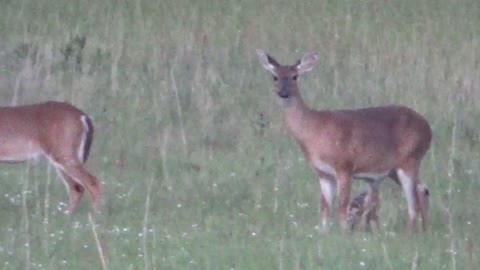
(267, 61)
(307, 62)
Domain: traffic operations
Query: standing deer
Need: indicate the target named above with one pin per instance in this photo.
(60, 132)
(370, 143)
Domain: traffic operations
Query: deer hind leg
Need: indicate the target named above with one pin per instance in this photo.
(87, 180)
(423, 204)
(408, 180)
(73, 169)
(75, 190)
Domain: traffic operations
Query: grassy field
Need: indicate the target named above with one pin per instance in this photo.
(197, 167)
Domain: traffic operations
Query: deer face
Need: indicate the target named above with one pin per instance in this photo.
(285, 77)
(285, 81)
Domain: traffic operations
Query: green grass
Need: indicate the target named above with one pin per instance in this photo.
(192, 179)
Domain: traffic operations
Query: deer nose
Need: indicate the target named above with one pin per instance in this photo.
(284, 93)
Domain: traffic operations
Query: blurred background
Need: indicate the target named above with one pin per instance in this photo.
(197, 167)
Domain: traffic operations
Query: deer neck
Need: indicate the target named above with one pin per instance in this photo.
(296, 115)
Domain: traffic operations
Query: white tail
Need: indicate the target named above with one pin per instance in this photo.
(60, 132)
(370, 143)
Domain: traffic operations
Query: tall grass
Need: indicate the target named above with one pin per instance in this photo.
(197, 168)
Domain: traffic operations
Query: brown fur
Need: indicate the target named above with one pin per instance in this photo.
(363, 210)
(54, 130)
(370, 143)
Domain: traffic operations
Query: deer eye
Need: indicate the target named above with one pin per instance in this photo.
(275, 78)
(295, 77)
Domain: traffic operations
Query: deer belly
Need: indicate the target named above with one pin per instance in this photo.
(19, 150)
(326, 168)
(374, 176)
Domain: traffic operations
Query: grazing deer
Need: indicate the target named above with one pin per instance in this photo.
(370, 143)
(60, 132)
(363, 209)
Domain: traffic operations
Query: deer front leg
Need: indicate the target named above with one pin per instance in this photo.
(327, 191)
(344, 188)
(365, 221)
(369, 220)
(373, 205)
